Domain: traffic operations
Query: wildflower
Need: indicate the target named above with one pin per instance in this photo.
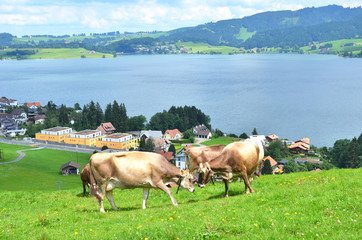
(171, 218)
(287, 214)
(174, 212)
(139, 226)
(91, 230)
(255, 225)
(76, 233)
(162, 219)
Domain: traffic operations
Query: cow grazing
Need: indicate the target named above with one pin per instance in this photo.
(238, 159)
(85, 177)
(195, 158)
(134, 170)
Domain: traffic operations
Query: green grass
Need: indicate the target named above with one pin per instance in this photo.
(338, 48)
(244, 34)
(313, 205)
(63, 53)
(220, 140)
(207, 49)
(9, 151)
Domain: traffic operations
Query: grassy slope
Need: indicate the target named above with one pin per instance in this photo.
(206, 48)
(244, 34)
(302, 205)
(9, 151)
(336, 46)
(62, 53)
(221, 140)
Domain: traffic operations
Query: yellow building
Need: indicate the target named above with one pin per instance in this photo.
(121, 141)
(55, 134)
(85, 137)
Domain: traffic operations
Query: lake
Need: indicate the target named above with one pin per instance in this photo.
(292, 96)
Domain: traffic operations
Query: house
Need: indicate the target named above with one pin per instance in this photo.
(9, 102)
(201, 131)
(151, 134)
(272, 138)
(70, 168)
(39, 119)
(185, 148)
(106, 128)
(19, 116)
(261, 138)
(55, 134)
(85, 137)
(168, 155)
(33, 105)
(160, 144)
(174, 134)
(299, 147)
(121, 141)
(273, 164)
(180, 160)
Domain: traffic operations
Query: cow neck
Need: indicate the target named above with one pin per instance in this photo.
(219, 163)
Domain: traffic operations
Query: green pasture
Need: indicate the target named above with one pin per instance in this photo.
(207, 49)
(244, 34)
(338, 47)
(63, 53)
(316, 205)
(220, 140)
(8, 152)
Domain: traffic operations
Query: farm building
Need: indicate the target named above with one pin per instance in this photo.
(70, 168)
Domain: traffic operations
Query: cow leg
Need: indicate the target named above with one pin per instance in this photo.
(226, 187)
(246, 182)
(164, 188)
(109, 195)
(146, 191)
(84, 190)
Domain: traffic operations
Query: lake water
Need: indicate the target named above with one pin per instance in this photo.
(293, 96)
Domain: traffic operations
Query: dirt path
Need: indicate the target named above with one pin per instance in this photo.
(21, 155)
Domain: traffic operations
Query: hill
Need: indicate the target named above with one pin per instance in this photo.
(303, 205)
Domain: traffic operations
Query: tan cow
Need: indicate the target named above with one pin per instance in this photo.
(197, 158)
(238, 159)
(131, 170)
(85, 177)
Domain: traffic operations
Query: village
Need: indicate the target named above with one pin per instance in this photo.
(105, 138)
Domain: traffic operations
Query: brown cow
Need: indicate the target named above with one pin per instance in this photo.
(238, 159)
(131, 170)
(85, 177)
(196, 157)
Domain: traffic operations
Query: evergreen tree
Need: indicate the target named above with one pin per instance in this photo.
(267, 169)
(172, 149)
(63, 116)
(290, 167)
(352, 159)
(108, 113)
(244, 136)
(123, 118)
(150, 146)
(99, 115)
(77, 106)
(254, 132)
(142, 146)
(137, 123)
(116, 116)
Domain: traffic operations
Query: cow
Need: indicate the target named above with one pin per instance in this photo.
(129, 170)
(195, 158)
(85, 177)
(238, 159)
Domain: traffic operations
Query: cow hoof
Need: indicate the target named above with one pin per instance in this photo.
(226, 196)
(102, 211)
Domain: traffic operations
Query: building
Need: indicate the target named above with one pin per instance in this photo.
(85, 137)
(106, 128)
(260, 138)
(39, 119)
(121, 141)
(301, 146)
(168, 155)
(70, 168)
(174, 134)
(272, 138)
(180, 161)
(33, 105)
(151, 134)
(201, 131)
(55, 134)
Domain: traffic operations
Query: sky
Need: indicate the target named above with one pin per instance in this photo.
(59, 17)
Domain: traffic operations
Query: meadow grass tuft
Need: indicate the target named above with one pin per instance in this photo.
(307, 205)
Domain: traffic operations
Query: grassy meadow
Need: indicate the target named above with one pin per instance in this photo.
(314, 205)
(205, 48)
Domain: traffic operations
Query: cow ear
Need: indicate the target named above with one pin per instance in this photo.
(183, 173)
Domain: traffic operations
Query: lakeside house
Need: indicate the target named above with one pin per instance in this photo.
(201, 131)
(85, 137)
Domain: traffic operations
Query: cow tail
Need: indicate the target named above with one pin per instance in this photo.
(92, 190)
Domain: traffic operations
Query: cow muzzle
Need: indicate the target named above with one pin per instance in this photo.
(201, 185)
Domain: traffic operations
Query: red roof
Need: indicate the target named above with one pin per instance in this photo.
(167, 155)
(106, 127)
(188, 147)
(173, 132)
(271, 160)
(33, 103)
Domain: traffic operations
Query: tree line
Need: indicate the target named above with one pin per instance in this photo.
(92, 115)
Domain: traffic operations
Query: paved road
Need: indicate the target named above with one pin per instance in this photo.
(21, 155)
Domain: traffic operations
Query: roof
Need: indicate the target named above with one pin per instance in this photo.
(273, 137)
(70, 164)
(86, 132)
(284, 161)
(152, 134)
(106, 127)
(304, 140)
(38, 117)
(167, 155)
(271, 160)
(201, 130)
(188, 147)
(118, 135)
(301, 145)
(33, 103)
(173, 132)
(56, 129)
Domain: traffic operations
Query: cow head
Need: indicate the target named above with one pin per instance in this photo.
(186, 181)
(205, 177)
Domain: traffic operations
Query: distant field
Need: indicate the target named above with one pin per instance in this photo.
(208, 49)
(244, 34)
(63, 53)
(8, 151)
(221, 140)
(338, 46)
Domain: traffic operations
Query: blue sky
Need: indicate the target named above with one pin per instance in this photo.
(58, 17)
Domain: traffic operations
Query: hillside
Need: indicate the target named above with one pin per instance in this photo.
(306, 205)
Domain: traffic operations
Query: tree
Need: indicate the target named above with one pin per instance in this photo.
(187, 134)
(172, 149)
(352, 159)
(150, 146)
(244, 136)
(254, 132)
(339, 153)
(137, 123)
(63, 115)
(77, 106)
(290, 167)
(267, 169)
(142, 146)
